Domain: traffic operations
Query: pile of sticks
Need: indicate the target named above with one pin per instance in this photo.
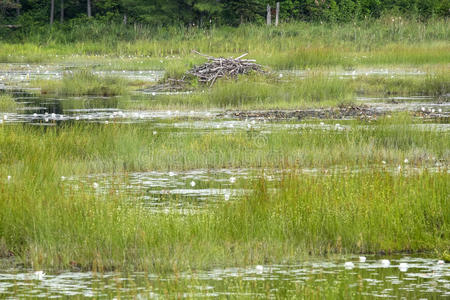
(209, 72)
(216, 68)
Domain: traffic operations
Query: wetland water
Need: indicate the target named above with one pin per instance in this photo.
(375, 277)
(194, 190)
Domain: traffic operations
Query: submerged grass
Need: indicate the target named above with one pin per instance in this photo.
(49, 224)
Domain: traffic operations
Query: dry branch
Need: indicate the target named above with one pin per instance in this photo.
(220, 67)
(209, 72)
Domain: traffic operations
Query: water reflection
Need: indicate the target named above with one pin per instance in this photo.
(422, 278)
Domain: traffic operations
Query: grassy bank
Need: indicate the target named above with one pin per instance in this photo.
(289, 46)
(49, 224)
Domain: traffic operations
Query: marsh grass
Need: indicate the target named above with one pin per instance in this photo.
(434, 84)
(83, 82)
(317, 89)
(289, 46)
(260, 91)
(49, 224)
(58, 228)
(7, 103)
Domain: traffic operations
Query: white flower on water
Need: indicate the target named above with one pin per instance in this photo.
(432, 110)
(440, 110)
(349, 265)
(322, 123)
(5, 117)
(171, 174)
(440, 262)
(192, 183)
(406, 161)
(403, 267)
(362, 259)
(34, 115)
(63, 178)
(232, 179)
(154, 132)
(95, 185)
(280, 75)
(385, 262)
(106, 122)
(53, 115)
(226, 196)
(9, 177)
(383, 162)
(423, 108)
(153, 94)
(39, 275)
(46, 119)
(77, 118)
(259, 269)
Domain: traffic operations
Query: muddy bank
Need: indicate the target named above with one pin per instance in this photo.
(362, 112)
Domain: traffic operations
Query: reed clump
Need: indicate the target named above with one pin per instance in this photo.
(83, 82)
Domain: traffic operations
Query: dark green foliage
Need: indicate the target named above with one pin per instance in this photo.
(32, 14)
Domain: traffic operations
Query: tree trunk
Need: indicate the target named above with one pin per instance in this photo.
(269, 15)
(277, 15)
(52, 11)
(89, 14)
(62, 12)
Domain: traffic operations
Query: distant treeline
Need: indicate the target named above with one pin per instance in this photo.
(26, 15)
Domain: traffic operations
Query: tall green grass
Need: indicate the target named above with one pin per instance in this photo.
(83, 82)
(432, 84)
(258, 91)
(289, 46)
(316, 89)
(49, 224)
(97, 148)
(7, 103)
